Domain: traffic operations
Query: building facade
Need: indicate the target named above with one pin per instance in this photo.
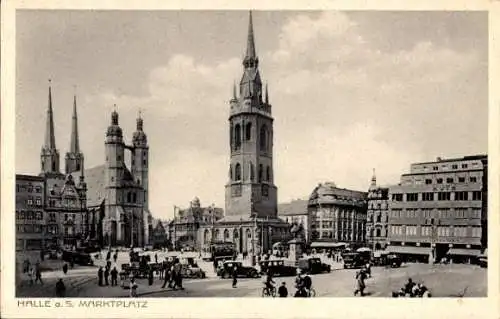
(188, 222)
(438, 211)
(251, 213)
(338, 214)
(377, 222)
(297, 212)
(31, 221)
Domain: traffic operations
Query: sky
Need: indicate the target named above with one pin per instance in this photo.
(350, 91)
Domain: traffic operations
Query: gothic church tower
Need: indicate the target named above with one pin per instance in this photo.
(50, 154)
(74, 158)
(140, 159)
(250, 190)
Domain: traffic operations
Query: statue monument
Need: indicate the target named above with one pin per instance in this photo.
(297, 243)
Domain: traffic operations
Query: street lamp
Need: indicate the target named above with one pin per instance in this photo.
(432, 255)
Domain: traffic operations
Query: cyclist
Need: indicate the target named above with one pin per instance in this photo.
(307, 284)
(269, 282)
(299, 284)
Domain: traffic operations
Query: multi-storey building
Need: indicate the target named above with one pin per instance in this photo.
(297, 211)
(189, 220)
(31, 222)
(338, 214)
(377, 216)
(437, 210)
(251, 214)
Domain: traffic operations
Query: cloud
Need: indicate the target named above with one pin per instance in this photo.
(341, 105)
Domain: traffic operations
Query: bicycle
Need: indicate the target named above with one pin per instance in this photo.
(267, 293)
(311, 293)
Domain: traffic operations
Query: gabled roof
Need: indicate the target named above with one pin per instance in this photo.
(94, 177)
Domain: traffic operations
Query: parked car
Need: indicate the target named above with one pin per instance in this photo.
(353, 260)
(277, 268)
(226, 270)
(393, 261)
(313, 266)
(483, 262)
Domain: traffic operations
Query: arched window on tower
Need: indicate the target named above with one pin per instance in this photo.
(260, 172)
(230, 172)
(231, 135)
(263, 138)
(268, 173)
(134, 197)
(252, 172)
(248, 131)
(237, 136)
(237, 172)
(129, 197)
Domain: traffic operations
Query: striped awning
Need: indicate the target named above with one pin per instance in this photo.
(327, 245)
(410, 250)
(464, 252)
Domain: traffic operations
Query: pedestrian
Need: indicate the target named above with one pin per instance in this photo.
(106, 276)
(167, 276)
(282, 291)
(133, 288)
(108, 255)
(235, 276)
(31, 274)
(65, 268)
(38, 274)
(360, 280)
(60, 288)
(114, 277)
(42, 255)
(115, 256)
(156, 258)
(100, 275)
(72, 263)
(150, 276)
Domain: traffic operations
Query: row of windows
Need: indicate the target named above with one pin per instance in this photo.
(37, 201)
(378, 219)
(441, 196)
(28, 188)
(236, 136)
(238, 173)
(29, 228)
(457, 231)
(29, 215)
(451, 180)
(438, 213)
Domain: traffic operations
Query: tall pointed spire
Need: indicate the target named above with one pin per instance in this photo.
(50, 138)
(75, 143)
(250, 40)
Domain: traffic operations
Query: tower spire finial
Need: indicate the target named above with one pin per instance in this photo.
(251, 55)
(374, 178)
(139, 120)
(50, 139)
(267, 94)
(234, 91)
(75, 143)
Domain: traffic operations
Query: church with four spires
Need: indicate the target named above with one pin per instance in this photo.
(107, 204)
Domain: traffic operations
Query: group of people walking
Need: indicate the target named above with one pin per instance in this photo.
(33, 271)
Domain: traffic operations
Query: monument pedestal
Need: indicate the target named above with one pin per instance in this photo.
(296, 249)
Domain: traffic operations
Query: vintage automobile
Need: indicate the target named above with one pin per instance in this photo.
(353, 260)
(483, 262)
(393, 260)
(226, 270)
(78, 257)
(277, 268)
(313, 266)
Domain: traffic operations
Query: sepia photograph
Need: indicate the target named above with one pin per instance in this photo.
(251, 154)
